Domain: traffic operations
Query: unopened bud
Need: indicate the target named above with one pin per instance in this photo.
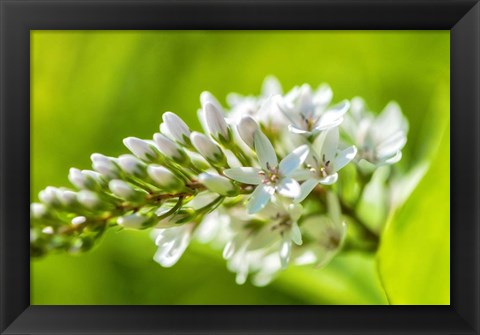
(164, 178)
(218, 184)
(37, 210)
(216, 124)
(132, 165)
(208, 149)
(246, 129)
(169, 148)
(140, 148)
(88, 199)
(133, 221)
(176, 128)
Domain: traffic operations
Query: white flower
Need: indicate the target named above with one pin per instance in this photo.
(175, 128)
(208, 149)
(272, 176)
(282, 229)
(140, 148)
(326, 235)
(324, 162)
(218, 184)
(260, 107)
(171, 243)
(379, 139)
(309, 112)
(164, 178)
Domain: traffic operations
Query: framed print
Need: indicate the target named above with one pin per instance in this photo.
(238, 166)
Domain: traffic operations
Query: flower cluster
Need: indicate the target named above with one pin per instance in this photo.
(260, 181)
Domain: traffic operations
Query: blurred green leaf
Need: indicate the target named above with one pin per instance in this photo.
(414, 257)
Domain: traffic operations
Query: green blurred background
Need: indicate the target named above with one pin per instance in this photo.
(91, 89)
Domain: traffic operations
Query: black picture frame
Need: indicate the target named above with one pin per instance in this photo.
(18, 17)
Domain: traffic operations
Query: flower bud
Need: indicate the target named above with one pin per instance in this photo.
(207, 97)
(164, 178)
(84, 179)
(176, 128)
(79, 220)
(140, 148)
(67, 197)
(132, 165)
(133, 221)
(88, 199)
(123, 190)
(48, 230)
(37, 210)
(218, 184)
(169, 149)
(49, 196)
(246, 129)
(208, 149)
(216, 124)
(105, 165)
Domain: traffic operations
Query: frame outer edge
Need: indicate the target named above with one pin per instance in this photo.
(465, 176)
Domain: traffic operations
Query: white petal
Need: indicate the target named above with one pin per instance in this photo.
(390, 146)
(344, 157)
(246, 175)
(289, 187)
(295, 211)
(392, 160)
(259, 198)
(293, 160)
(323, 95)
(169, 253)
(271, 86)
(329, 180)
(265, 151)
(305, 189)
(285, 251)
(207, 97)
(330, 144)
(295, 234)
(295, 130)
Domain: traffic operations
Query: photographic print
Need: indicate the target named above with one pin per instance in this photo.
(240, 167)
